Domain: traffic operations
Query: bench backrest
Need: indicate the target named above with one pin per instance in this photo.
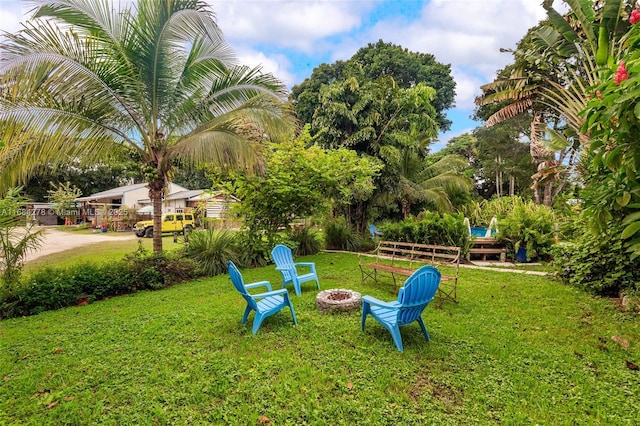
(414, 252)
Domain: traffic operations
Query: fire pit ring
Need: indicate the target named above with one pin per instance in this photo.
(338, 300)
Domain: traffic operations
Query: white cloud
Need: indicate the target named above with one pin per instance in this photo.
(12, 13)
(278, 65)
(292, 24)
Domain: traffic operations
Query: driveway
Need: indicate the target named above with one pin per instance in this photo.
(55, 241)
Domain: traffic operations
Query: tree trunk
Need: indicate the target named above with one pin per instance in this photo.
(548, 199)
(156, 191)
(512, 185)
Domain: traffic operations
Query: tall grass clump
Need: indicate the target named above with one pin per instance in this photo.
(339, 235)
(212, 249)
(308, 240)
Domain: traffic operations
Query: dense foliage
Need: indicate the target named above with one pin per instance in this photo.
(300, 181)
(598, 263)
(58, 287)
(407, 69)
(528, 225)
(430, 228)
(613, 120)
(212, 249)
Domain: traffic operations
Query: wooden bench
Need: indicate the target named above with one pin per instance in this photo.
(487, 246)
(393, 259)
(501, 252)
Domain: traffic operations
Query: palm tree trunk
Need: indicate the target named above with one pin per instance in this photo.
(156, 191)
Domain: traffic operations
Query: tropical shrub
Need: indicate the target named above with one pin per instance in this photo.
(212, 250)
(480, 213)
(339, 235)
(308, 240)
(430, 228)
(17, 238)
(598, 263)
(528, 225)
(254, 248)
(54, 288)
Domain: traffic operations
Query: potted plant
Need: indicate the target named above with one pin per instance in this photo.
(527, 231)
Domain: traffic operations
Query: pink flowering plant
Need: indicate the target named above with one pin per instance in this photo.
(612, 121)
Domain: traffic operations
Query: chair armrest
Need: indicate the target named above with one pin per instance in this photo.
(282, 291)
(266, 284)
(373, 301)
(309, 265)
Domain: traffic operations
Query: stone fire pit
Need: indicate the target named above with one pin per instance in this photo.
(338, 300)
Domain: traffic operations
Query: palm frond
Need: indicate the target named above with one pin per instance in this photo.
(510, 111)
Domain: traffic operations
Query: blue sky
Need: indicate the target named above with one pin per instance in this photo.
(291, 37)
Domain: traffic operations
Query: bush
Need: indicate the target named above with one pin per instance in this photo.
(430, 228)
(528, 225)
(339, 235)
(308, 240)
(54, 288)
(254, 249)
(212, 250)
(598, 263)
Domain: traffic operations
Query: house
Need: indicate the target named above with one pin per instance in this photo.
(214, 205)
(114, 203)
(126, 202)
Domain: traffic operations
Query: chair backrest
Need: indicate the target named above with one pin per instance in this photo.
(416, 293)
(282, 255)
(238, 283)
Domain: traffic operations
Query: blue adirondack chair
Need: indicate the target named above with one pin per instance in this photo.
(283, 258)
(264, 304)
(374, 231)
(418, 290)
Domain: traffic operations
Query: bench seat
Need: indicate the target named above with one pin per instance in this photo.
(403, 259)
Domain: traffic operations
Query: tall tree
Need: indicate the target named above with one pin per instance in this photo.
(371, 62)
(156, 76)
(555, 64)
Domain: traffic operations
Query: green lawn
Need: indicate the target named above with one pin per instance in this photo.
(517, 349)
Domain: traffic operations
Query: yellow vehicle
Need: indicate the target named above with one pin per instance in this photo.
(171, 222)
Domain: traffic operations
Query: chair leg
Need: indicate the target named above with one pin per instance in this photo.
(424, 329)
(296, 287)
(246, 314)
(257, 321)
(365, 311)
(397, 338)
(290, 305)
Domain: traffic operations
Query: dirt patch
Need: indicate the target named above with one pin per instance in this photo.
(55, 241)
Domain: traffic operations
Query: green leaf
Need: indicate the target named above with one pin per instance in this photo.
(630, 230)
(623, 199)
(632, 217)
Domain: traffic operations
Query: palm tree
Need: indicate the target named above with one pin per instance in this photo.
(556, 64)
(418, 182)
(156, 77)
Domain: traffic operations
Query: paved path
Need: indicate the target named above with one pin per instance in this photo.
(55, 241)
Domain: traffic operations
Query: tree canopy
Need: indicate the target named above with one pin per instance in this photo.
(407, 69)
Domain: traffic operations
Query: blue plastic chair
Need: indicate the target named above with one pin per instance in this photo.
(264, 304)
(418, 290)
(283, 258)
(374, 231)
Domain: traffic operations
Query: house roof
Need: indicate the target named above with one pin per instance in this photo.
(121, 190)
(115, 192)
(189, 194)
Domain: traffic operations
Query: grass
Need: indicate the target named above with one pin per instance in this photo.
(517, 349)
(98, 252)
